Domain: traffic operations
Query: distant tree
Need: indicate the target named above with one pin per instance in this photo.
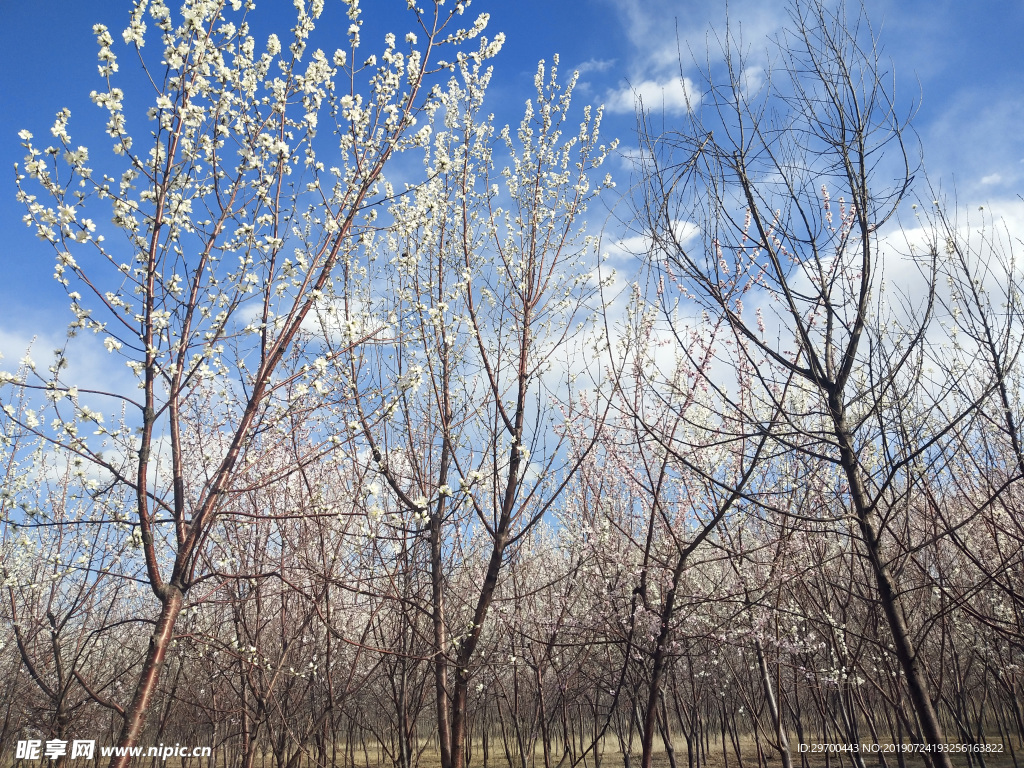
(679, 461)
(70, 619)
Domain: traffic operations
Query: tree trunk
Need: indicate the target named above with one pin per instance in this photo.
(773, 706)
(444, 732)
(135, 714)
(903, 646)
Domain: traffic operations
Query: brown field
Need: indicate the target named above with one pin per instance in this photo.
(611, 757)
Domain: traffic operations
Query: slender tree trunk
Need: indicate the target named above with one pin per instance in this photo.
(773, 706)
(903, 646)
(135, 714)
(485, 744)
(460, 695)
(725, 749)
(545, 736)
(666, 733)
(444, 731)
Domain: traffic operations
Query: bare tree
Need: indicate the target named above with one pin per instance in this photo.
(767, 206)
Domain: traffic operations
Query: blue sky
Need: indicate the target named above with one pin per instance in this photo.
(965, 63)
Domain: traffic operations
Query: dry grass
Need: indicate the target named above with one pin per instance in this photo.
(611, 757)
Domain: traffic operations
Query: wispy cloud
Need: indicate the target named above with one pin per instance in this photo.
(975, 140)
(595, 65)
(666, 39)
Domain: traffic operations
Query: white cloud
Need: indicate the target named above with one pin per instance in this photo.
(595, 65)
(631, 246)
(673, 95)
(667, 44)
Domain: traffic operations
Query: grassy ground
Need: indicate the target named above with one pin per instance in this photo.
(611, 757)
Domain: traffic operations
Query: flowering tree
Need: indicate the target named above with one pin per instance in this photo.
(982, 314)
(58, 547)
(669, 469)
(232, 232)
(490, 280)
